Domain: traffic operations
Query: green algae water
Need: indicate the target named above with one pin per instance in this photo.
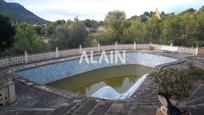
(121, 78)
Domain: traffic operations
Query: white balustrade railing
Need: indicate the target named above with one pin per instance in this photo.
(29, 58)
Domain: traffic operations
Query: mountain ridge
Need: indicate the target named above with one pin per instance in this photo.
(16, 12)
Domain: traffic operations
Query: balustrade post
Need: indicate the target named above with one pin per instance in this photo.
(150, 45)
(196, 52)
(171, 44)
(134, 45)
(26, 56)
(99, 47)
(80, 49)
(57, 52)
(116, 45)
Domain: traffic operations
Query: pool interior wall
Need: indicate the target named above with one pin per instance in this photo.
(53, 72)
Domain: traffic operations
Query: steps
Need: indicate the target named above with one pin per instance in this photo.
(62, 110)
(88, 106)
(85, 107)
(142, 111)
(144, 102)
(69, 108)
(196, 101)
(117, 109)
(100, 108)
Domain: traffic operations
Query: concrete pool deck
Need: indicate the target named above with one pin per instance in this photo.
(36, 99)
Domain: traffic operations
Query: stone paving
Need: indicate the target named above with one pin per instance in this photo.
(34, 99)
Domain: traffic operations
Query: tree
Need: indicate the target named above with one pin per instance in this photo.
(90, 23)
(70, 36)
(40, 29)
(78, 34)
(135, 33)
(190, 10)
(60, 37)
(167, 33)
(152, 26)
(186, 26)
(184, 29)
(7, 31)
(26, 39)
(200, 30)
(106, 38)
(115, 22)
(52, 26)
(145, 16)
(69, 22)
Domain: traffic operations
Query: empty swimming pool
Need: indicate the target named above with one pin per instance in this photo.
(104, 80)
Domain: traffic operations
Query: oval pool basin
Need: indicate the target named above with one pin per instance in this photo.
(103, 80)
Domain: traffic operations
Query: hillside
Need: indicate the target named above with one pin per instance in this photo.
(18, 13)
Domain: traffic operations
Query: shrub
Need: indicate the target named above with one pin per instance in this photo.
(173, 82)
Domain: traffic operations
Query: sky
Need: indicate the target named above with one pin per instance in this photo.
(53, 10)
